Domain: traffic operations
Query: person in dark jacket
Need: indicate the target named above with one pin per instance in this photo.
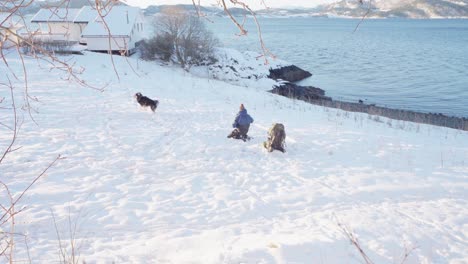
(241, 124)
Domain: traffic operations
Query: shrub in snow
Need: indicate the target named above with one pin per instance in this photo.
(158, 47)
(181, 38)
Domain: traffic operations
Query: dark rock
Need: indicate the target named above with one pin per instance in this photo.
(233, 69)
(289, 73)
(305, 93)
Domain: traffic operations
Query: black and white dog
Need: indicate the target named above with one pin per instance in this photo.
(145, 101)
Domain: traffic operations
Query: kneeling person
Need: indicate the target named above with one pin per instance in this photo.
(241, 124)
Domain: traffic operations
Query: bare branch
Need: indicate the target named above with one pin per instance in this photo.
(15, 124)
(354, 241)
(265, 52)
(50, 58)
(9, 210)
(226, 10)
(407, 253)
(10, 235)
(62, 251)
(197, 8)
(365, 15)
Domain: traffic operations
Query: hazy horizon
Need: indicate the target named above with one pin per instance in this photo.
(254, 4)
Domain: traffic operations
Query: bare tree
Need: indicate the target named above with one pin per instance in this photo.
(181, 37)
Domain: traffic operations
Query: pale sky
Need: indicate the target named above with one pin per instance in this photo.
(254, 4)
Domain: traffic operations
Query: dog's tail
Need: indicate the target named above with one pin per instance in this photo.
(153, 107)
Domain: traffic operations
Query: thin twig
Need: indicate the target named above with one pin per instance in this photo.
(62, 253)
(408, 252)
(354, 241)
(15, 124)
(59, 157)
(365, 15)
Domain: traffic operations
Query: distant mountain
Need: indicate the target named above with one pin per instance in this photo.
(296, 12)
(383, 9)
(235, 11)
(426, 9)
(342, 8)
(350, 9)
(154, 9)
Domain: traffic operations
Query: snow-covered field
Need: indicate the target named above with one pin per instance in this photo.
(170, 187)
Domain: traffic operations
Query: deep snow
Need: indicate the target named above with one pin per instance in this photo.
(170, 187)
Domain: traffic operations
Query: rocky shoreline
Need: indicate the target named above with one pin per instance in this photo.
(317, 96)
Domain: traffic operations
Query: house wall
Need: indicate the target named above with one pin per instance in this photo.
(82, 27)
(138, 27)
(117, 43)
(70, 30)
(59, 31)
(126, 43)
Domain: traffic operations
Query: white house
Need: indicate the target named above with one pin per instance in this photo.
(118, 29)
(9, 27)
(115, 29)
(83, 18)
(57, 24)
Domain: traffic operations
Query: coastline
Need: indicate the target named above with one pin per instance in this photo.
(317, 96)
(410, 73)
(244, 68)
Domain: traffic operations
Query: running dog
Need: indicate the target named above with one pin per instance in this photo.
(145, 101)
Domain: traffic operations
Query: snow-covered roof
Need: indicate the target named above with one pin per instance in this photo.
(85, 15)
(119, 20)
(10, 21)
(55, 15)
(75, 15)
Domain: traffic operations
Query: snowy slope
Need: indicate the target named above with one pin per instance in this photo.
(246, 68)
(170, 187)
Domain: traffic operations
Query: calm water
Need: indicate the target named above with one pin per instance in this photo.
(411, 64)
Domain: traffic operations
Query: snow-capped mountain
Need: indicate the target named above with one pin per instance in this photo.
(154, 9)
(382, 9)
(342, 8)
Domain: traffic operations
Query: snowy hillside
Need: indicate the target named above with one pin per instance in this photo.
(169, 187)
(245, 68)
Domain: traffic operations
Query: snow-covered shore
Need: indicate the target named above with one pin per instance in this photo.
(277, 76)
(170, 187)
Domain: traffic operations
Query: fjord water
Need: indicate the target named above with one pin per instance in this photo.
(419, 65)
